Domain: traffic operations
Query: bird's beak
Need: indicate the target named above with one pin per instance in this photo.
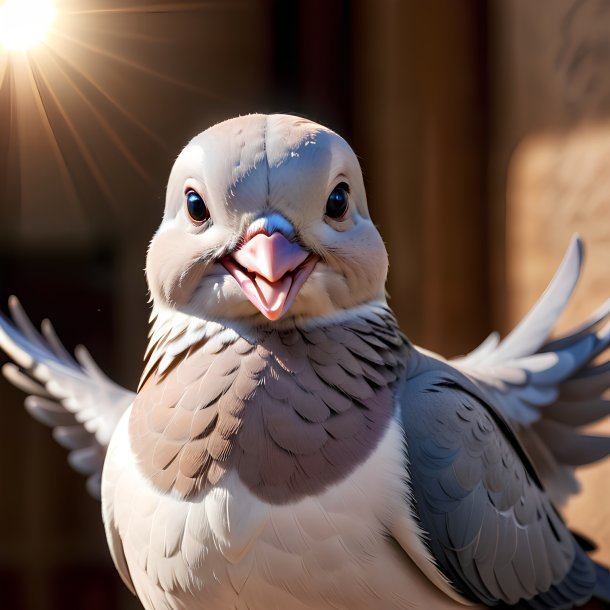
(270, 271)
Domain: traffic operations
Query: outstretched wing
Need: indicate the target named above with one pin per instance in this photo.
(548, 389)
(72, 396)
(490, 527)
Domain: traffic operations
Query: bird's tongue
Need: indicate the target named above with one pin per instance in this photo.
(268, 297)
(273, 295)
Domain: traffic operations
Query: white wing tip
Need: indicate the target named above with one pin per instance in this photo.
(576, 242)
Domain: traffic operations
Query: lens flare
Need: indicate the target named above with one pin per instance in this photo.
(71, 96)
(25, 23)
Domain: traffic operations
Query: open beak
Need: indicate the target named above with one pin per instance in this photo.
(270, 271)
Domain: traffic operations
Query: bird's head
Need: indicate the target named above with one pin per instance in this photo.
(266, 214)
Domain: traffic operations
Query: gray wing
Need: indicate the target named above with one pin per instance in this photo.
(73, 397)
(549, 389)
(491, 528)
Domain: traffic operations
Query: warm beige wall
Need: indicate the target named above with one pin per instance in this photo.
(552, 121)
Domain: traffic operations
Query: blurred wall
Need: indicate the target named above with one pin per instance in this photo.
(420, 128)
(551, 156)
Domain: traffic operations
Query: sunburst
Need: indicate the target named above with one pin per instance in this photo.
(57, 59)
(25, 23)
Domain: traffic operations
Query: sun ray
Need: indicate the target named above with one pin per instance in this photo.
(4, 65)
(143, 69)
(110, 131)
(78, 140)
(177, 7)
(10, 185)
(61, 56)
(29, 105)
(109, 31)
(74, 91)
(67, 177)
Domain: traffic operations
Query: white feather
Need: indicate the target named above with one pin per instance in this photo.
(237, 551)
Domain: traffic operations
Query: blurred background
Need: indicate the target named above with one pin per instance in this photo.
(483, 129)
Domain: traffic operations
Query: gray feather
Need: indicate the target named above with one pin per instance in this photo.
(540, 385)
(490, 526)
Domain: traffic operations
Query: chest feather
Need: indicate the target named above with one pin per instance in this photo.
(291, 411)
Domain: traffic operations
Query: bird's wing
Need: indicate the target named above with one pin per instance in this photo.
(72, 396)
(492, 530)
(548, 389)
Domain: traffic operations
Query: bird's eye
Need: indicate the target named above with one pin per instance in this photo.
(338, 201)
(197, 209)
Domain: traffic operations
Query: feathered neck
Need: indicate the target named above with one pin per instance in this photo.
(173, 332)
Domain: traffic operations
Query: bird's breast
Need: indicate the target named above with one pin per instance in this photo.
(229, 548)
(290, 411)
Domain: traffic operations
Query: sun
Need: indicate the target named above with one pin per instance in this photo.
(25, 23)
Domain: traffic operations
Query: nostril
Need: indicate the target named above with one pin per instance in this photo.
(270, 224)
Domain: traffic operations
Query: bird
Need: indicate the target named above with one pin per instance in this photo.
(288, 447)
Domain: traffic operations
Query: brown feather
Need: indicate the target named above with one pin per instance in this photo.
(291, 410)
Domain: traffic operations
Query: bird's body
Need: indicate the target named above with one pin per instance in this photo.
(256, 536)
(288, 447)
(230, 549)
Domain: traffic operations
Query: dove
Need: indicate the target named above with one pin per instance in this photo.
(288, 446)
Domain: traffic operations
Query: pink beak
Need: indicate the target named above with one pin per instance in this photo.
(270, 271)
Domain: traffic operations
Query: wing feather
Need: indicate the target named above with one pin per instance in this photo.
(72, 396)
(529, 335)
(541, 385)
(491, 528)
